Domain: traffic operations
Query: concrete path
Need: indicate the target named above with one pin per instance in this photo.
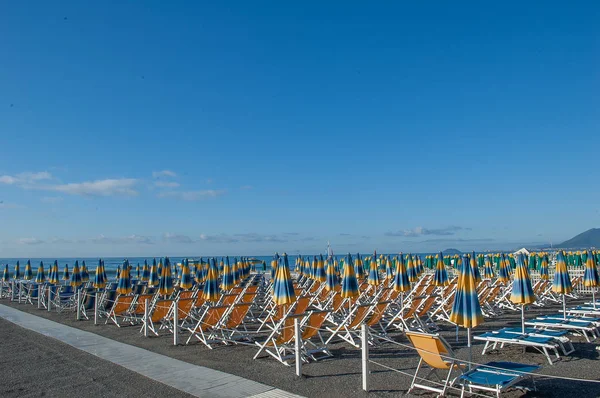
(192, 379)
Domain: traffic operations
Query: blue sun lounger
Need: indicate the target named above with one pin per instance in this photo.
(501, 338)
(494, 376)
(559, 335)
(585, 328)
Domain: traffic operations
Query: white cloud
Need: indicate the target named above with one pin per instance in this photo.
(51, 199)
(163, 173)
(6, 205)
(166, 184)
(25, 178)
(192, 195)
(101, 239)
(175, 238)
(421, 231)
(29, 241)
(108, 187)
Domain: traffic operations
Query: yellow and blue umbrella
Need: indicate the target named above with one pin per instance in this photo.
(85, 276)
(154, 277)
(28, 275)
(237, 270)
(274, 265)
(359, 268)
(104, 271)
(401, 280)
(137, 271)
(99, 279)
(440, 276)
(283, 288)
(466, 310)
(389, 272)
(503, 271)
(590, 277)
(349, 281)
(562, 280)
(66, 274)
(373, 278)
(522, 292)
(320, 275)
(76, 276)
(17, 271)
(41, 275)
(145, 272)
(165, 284)
(200, 272)
(54, 274)
(227, 279)
(411, 270)
(476, 273)
(5, 274)
(186, 281)
(159, 267)
(544, 274)
(332, 280)
(211, 284)
(124, 284)
(488, 269)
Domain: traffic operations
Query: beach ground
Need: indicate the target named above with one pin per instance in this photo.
(341, 375)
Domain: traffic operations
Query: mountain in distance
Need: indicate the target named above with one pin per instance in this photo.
(589, 238)
(451, 252)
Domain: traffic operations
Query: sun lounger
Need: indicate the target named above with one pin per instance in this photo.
(559, 335)
(542, 344)
(587, 329)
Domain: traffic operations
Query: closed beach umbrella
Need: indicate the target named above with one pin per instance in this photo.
(103, 267)
(200, 271)
(154, 276)
(503, 272)
(85, 275)
(41, 275)
(475, 268)
(522, 292)
(401, 281)
(359, 269)
(274, 264)
(124, 284)
(562, 280)
(466, 310)
(75, 276)
(99, 280)
(410, 268)
(227, 280)
(440, 276)
(28, 275)
(165, 285)
(66, 274)
(211, 284)
(373, 278)
(488, 269)
(320, 271)
(159, 267)
(5, 274)
(137, 271)
(185, 282)
(237, 270)
(349, 281)
(332, 279)
(283, 288)
(389, 272)
(145, 272)
(544, 274)
(54, 274)
(17, 271)
(590, 277)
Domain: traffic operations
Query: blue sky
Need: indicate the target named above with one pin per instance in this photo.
(155, 128)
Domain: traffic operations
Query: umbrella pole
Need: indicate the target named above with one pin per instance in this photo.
(523, 318)
(469, 345)
(564, 307)
(594, 297)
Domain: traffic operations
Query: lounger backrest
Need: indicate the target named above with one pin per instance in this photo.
(248, 297)
(416, 303)
(302, 304)
(229, 299)
(430, 348)
(236, 290)
(252, 289)
(186, 294)
(314, 323)
(212, 316)
(237, 315)
(337, 302)
(359, 316)
(298, 292)
(184, 306)
(122, 304)
(287, 331)
(427, 306)
(378, 313)
(161, 308)
(141, 303)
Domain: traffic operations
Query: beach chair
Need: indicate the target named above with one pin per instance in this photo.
(233, 328)
(349, 327)
(277, 344)
(120, 309)
(584, 328)
(437, 354)
(204, 329)
(559, 335)
(158, 311)
(498, 339)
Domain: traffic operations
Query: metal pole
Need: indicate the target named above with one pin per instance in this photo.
(79, 304)
(39, 296)
(12, 291)
(49, 297)
(470, 348)
(146, 302)
(365, 357)
(564, 308)
(298, 347)
(522, 318)
(96, 308)
(20, 290)
(175, 322)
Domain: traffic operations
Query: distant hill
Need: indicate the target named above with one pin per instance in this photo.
(589, 238)
(451, 251)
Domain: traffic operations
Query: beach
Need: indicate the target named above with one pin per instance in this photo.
(337, 376)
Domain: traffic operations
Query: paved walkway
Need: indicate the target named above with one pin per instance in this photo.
(192, 379)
